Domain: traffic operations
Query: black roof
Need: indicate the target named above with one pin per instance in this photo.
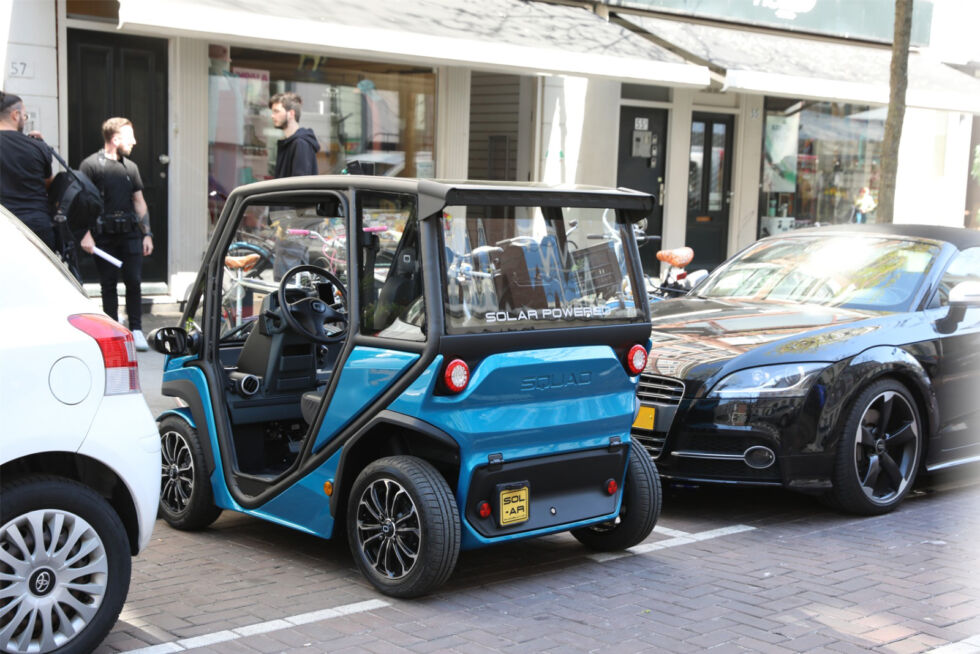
(958, 236)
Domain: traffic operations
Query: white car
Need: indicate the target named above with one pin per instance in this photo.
(79, 455)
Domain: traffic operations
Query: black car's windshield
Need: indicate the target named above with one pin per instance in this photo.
(854, 271)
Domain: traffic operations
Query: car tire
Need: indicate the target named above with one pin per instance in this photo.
(876, 464)
(186, 500)
(403, 526)
(638, 511)
(70, 518)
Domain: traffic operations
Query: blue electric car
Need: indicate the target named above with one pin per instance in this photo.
(430, 366)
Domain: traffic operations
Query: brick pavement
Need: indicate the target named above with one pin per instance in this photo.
(804, 579)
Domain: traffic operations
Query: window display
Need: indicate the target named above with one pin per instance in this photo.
(380, 114)
(820, 164)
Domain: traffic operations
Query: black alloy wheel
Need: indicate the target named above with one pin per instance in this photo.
(879, 451)
(403, 526)
(186, 500)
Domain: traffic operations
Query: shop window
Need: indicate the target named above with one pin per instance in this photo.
(378, 113)
(820, 164)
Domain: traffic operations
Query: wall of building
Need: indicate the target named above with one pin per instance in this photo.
(188, 193)
(29, 56)
(933, 167)
(494, 126)
(578, 131)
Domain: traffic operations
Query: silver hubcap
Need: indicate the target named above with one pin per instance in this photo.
(53, 576)
(176, 472)
(886, 447)
(388, 528)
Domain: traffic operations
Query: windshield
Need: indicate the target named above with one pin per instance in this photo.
(515, 268)
(853, 271)
(271, 239)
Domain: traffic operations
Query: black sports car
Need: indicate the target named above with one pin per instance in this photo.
(836, 361)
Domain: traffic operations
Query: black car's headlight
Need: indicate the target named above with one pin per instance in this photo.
(790, 380)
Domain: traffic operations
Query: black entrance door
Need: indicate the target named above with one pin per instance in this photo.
(116, 75)
(641, 166)
(709, 186)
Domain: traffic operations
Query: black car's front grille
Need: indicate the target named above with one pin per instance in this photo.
(651, 440)
(654, 389)
(665, 394)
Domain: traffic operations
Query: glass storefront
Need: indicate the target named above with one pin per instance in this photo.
(820, 164)
(377, 113)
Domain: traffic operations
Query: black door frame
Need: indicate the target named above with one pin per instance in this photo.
(636, 172)
(144, 99)
(701, 215)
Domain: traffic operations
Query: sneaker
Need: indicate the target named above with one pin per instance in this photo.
(140, 341)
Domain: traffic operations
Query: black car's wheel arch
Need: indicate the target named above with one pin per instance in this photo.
(881, 363)
(392, 434)
(84, 470)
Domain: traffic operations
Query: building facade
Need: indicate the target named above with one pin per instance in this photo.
(740, 128)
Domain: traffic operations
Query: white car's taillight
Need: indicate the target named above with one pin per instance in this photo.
(122, 373)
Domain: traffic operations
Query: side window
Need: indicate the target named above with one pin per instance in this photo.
(964, 268)
(390, 274)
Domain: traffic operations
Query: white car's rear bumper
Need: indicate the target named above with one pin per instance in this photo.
(137, 462)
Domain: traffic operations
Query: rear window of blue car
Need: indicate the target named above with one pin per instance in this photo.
(518, 268)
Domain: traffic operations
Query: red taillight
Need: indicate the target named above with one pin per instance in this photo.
(118, 351)
(457, 375)
(636, 360)
(483, 508)
(611, 486)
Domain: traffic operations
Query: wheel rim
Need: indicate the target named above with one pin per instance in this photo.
(54, 571)
(886, 447)
(388, 528)
(176, 472)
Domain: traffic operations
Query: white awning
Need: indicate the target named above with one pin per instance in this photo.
(810, 68)
(494, 35)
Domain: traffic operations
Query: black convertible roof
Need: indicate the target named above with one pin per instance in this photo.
(436, 194)
(958, 236)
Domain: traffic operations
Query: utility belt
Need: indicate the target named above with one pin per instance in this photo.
(116, 222)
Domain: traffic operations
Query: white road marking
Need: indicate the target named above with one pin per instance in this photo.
(667, 531)
(686, 539)
(969, 646)
(206, 640)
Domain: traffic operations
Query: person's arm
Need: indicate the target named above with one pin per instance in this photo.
(88, 241)
(304, 159)
(143, 215)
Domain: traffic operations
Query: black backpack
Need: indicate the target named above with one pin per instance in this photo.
(75, 200)
(76, 204)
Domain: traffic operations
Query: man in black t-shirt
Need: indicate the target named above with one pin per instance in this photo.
(25, 170)
(124, 227)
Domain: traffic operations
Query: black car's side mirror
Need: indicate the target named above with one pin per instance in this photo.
(961, 297)
(173, 341)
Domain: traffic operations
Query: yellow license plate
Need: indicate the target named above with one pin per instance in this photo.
(515, 506)
(644, 419)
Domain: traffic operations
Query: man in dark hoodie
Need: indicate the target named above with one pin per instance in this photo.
(296, 153)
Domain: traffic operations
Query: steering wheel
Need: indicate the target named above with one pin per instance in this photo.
(310, 315)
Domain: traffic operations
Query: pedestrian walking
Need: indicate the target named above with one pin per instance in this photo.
(124, 228)
(25, 170)
(296, 152)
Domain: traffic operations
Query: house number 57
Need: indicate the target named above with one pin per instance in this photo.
(21, 69)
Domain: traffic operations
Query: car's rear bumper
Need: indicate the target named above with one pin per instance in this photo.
(562, 489)
(136, 461)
